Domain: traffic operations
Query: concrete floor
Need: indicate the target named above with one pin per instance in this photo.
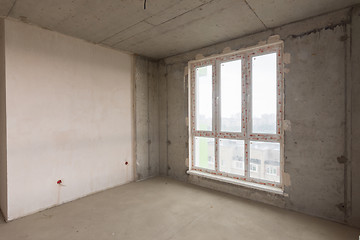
(162, 208)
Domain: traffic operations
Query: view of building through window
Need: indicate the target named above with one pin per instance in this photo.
(204, 98)
(231, 102)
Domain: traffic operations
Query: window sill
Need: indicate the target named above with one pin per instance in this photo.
(270, 189)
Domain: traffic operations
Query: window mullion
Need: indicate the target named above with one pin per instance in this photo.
(247, 97)
(216, 99)
(191, 114)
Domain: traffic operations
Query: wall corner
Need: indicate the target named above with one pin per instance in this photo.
(3, 145)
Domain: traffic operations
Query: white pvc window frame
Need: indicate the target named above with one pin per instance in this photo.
(246, 56)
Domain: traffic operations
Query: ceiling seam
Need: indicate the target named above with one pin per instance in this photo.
(166, 20)
(144, 20)
(186, 12)
(148, 22)
(255, 14)
(11, 9)
(124, 30)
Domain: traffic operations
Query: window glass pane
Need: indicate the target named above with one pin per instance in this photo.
(232, 156)
(264, 94)
(204, 153)
(265, 161)
(230, 87)
(203, 98)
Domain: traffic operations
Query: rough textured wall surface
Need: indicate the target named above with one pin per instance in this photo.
(314, 104)
(355, 103)
(163, 120)
(177, 129)
(146, 118)
(3, 159)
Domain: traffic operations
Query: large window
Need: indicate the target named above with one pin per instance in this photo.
(236, 113)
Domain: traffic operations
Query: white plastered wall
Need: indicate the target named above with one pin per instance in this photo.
(69, 117)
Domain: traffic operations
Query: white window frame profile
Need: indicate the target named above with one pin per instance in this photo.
(246, 134)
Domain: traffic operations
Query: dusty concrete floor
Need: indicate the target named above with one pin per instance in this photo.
(162, 208)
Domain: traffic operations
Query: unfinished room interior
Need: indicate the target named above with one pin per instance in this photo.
(180, 119)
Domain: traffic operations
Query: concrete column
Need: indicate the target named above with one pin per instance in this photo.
(146, 118)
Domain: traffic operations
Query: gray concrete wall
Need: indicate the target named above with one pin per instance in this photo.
(146, 118)
(163, 120)
(315, 104)
(3, 159)
(355, 119)
(177, 132)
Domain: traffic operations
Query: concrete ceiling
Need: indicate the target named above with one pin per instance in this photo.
(166, 27)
